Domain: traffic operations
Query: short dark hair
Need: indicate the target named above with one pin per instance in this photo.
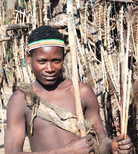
(44, 32)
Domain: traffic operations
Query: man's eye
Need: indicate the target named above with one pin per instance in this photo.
(57, 60)
(41, 61)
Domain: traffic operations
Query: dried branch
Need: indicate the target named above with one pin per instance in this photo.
(15, 26)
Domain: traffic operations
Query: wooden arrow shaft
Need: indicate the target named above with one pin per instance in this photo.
(75, 81)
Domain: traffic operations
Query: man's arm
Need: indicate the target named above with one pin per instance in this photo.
(90, 102)
(92, 112)
(15, 131)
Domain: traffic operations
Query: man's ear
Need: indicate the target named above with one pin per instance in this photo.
(28, 57)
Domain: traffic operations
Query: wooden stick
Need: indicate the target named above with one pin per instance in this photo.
(125, 80)
(28, 65)
(1, 21)
(34, 21)
(121, 63)
(5, 39)
(40, 12)
(15, 54)
(127, 102)
(81, 122)
(85, 28)
(3, 14)
(15, 26)
(122, 1)
(121, 101)
(22, 58)
(19, 1)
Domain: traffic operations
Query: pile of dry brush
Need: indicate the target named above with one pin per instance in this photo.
(107, 48)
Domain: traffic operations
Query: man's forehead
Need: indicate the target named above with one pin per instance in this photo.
(50, 48)
(53, 51)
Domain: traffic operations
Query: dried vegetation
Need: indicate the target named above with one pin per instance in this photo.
(107, 48)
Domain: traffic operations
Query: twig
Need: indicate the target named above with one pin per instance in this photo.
(15, 26)
(5, 39)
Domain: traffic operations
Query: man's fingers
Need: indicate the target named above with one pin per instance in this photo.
(91, 149)
(89, 137)
(126, 147)
(91, 146)
(120, 137)
(125, 151)
(91, 143)
(125, 141)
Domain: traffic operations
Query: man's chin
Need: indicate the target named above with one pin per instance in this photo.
(49, 82)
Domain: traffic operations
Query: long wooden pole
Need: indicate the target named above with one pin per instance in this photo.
(28, 66)
(22, 58)
(125, 81)
(34, 14)
(40, 12)
(121, 65)
(127, 103)
(81, 122)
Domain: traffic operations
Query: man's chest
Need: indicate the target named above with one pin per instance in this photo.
(47, 134)
(62, 99)
(58, 110)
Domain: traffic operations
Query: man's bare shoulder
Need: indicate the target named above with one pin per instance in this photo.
(17, 95)
(88, 96)
(86, 89)
(17, 101)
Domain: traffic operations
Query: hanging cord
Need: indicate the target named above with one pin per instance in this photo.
(34, 114)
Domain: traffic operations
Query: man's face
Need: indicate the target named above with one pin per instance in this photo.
(47, 64)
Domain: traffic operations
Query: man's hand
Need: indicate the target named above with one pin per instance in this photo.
(82, 145)
(121, 145)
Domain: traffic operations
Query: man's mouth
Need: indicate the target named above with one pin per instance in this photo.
(49, 77)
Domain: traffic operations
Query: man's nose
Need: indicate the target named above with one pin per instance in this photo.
(49, 67)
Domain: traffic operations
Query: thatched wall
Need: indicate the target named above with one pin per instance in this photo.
(102, 44)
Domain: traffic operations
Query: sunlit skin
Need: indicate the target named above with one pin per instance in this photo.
(47, 138)
(47, 64)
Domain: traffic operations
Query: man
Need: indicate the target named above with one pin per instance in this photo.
(45, 110)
